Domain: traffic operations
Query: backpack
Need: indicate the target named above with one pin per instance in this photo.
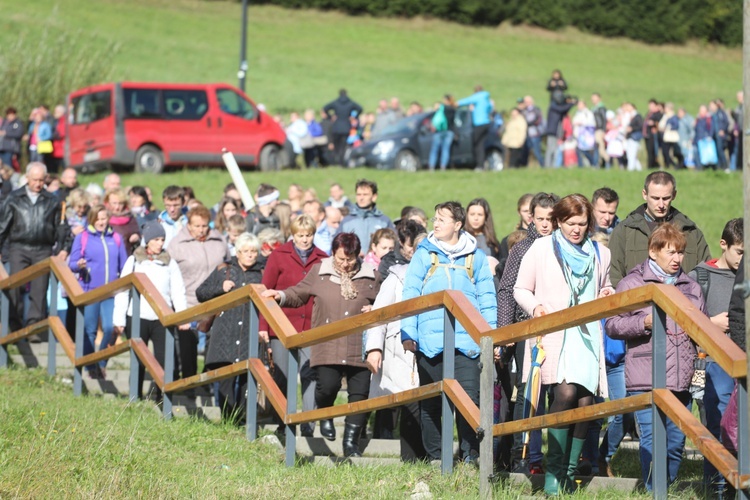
(439, 120)
(703, 277)
(85, 240)
(435, 263)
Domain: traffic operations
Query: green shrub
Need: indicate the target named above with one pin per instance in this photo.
(42, 68)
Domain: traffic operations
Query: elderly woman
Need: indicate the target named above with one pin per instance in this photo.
(153, 261)
(666, 249)
(229, 332)
(558, 272)
(286, 267)
(122, 221)
(448, 259)
(98, 255)
(340, 286)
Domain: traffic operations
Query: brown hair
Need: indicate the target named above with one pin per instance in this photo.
(667, 235)
(382, 233)
(571, 206)
(94, 213)
(199, 211)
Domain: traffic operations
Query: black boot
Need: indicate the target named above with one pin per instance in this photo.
(351, 440)
(327, 430)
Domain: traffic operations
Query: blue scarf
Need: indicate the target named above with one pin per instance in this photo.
(668, 279)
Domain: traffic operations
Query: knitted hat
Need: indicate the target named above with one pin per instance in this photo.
(153, 229)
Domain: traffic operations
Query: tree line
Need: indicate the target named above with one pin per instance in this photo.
(650, 21)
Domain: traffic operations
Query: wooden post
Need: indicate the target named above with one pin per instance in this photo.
(659, 470)
(51, 340)
(486, 413)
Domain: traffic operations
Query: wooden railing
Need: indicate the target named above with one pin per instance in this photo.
(665, 300)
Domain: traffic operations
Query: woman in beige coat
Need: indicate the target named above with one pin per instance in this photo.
(341, 286)
(558, 272)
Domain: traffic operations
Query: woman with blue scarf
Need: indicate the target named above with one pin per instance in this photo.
(561, 271)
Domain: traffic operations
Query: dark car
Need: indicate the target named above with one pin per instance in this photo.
(405, 145)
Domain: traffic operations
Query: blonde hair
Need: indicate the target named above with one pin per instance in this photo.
(247, 240)
(77, 197)
(284, 213)
(271, 235)
(236, 222)
(303, 223)
(119, 193)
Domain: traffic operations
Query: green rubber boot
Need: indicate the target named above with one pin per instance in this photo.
(557, 465)
(576, 447)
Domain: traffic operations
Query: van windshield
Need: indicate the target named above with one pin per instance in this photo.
(92, 107)
(234, 104)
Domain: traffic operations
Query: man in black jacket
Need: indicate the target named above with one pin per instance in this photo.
(11, 132)
(32, 223)
(342, 108)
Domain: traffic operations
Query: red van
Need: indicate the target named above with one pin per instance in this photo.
(152, 125)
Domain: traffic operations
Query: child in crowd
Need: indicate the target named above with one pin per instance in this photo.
(78, 205)
(235, 227)
(382, 241)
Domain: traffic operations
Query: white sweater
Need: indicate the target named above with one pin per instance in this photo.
(166, 278)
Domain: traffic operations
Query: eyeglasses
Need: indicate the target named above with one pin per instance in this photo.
(439, 221)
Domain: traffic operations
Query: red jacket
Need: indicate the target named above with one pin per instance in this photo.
(58, 143)
(283, 270)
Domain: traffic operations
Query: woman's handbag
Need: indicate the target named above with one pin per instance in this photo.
(44, 147)
(707, 151)
(671, 136)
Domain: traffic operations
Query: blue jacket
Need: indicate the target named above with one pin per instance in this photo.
(703, 129)
(44, 133)
(427, 328)
(364, 222)
(480, 115)
(105, 258)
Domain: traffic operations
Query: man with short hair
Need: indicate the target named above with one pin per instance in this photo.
(509, 312)
(605, 202)
(629, 240)
(365, 218)
(11, 132)
(31, 222)
(111, 182)
(173, 217)
(338, 199)
(650, 133)
(68, 182)
(342, 108)
(263, 214)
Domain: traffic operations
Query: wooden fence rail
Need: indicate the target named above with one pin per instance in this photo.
(665, 300)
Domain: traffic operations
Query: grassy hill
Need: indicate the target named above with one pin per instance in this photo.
(300, 58)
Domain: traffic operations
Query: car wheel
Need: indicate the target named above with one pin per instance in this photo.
(270, 158)
(149, 159)
(494, 161)
(406, 161)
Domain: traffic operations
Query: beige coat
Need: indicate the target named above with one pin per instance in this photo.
(324, 285)
(197, 259)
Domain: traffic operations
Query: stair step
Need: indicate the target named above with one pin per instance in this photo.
(62, 361)
(355, 461)
(371, 447)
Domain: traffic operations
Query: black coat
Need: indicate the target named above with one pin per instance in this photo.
(229, 333)
(342, 108)
(39, 224)
(737, 309)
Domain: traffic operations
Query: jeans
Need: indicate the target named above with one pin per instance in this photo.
(618, 424)
(549, 156)
(719, 386)
(441, 145)
(534, 144)
(7, 158)
(720, 145)
(91, 316)
(675, 440)
(467, 374)
(589, 155)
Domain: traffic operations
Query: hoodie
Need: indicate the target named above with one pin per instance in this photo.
(427, 328)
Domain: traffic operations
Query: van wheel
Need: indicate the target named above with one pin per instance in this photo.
(270, 158)
(406, 161)
(149, 159)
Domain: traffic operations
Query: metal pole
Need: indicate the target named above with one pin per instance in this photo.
(291, 406)
(51, 340)
(449, 365)
(743, 444)
(4, 325)
(486, 413)
(251, 403)
(168, 370)
(135, 333)
(78, 373)
(243, 48)
(659, 479)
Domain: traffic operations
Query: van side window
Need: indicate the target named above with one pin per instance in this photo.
(141, 103)
(185, 104)
(234, 104)
(91, 107)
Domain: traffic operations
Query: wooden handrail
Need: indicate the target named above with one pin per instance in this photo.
(149, 361)
(709, 446)
(599, 410)
(273, 393)
(28, 331)
(464, 405)
(379, 403)
(699, 327)
(466, 314)
(204, 378)
(66, 278)
(104, 354)
(61, 334)
(22, 277)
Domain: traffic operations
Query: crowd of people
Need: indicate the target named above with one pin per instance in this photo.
(577, 132)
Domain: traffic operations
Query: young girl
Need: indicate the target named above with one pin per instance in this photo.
(480, 225)
(381, 242)
(78, 204)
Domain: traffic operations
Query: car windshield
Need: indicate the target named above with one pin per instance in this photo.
(405, 126)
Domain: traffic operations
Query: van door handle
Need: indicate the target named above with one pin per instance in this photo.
(218, 122)
(208, 121)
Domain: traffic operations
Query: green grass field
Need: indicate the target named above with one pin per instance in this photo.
(300, 58)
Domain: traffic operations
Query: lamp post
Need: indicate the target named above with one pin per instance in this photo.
(243, 48)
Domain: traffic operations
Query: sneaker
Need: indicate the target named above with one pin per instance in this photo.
(536, 469)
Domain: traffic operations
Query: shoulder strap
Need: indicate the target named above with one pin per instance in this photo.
(470, 266)
(117, 238)
(703, 279)
(84, 241)
(433, 266)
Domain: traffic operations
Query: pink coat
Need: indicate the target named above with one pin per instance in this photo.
(541, 282)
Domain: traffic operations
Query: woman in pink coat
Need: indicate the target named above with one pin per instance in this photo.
(561, 271)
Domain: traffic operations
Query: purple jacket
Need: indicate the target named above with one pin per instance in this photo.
(630, 327)
(105, 258)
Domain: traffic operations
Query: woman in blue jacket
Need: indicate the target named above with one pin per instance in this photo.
(98, 256)
(447, 260)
